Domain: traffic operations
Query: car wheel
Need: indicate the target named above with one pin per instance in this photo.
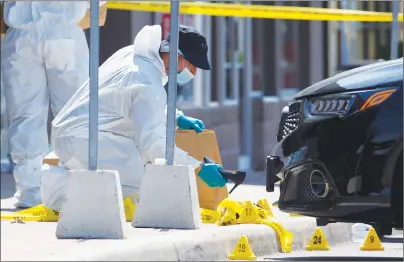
(397, 193)
(321, 222)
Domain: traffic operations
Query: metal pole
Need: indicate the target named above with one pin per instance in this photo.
(172, 82)
(394, 31)
(221, 59)
(93, 107)
(343, 39)
(234, 56)
(247, 110)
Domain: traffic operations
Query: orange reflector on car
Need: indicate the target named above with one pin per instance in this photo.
(377, 98)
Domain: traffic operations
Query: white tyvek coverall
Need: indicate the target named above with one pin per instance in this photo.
(44, 55)
(132, 120)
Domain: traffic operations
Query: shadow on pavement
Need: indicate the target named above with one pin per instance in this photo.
(392, 240)
(7, 185)
(332, 258)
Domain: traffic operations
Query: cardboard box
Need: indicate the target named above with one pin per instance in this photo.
(51, 159)
(85, 22)
(2, 24)
(198, 146)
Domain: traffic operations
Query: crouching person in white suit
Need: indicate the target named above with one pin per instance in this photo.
(132, 115)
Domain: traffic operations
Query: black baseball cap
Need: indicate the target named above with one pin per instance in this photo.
(192, 45)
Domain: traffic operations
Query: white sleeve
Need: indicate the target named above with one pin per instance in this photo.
(177, 114)
(149, 119)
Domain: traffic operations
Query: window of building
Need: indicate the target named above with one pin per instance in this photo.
(369, 41)
(227, 55)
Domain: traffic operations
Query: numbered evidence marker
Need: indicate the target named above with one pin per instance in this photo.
(229, 218)
(248, 215)
(372, 242)
(242, 251)
(318, 241)
(209, 216)
(263, 203)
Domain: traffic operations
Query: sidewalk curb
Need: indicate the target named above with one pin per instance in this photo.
(215, 243)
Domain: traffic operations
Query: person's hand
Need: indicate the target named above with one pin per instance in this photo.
(186, 122)
(209, 173)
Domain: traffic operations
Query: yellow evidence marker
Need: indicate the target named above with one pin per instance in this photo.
(129, 206)
(227, 203)
(248, 215)
(229, 218)
(209, 216)
(372, 242)
(242, 251)
(263, 203)
(318, 242)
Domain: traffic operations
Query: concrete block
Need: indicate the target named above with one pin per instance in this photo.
(93, 207)
(168, 198)
(53, 184)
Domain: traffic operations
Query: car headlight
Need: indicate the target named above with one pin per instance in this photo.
(331, 104)
(342, 104)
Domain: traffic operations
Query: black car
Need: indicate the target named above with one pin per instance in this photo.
(339, 156)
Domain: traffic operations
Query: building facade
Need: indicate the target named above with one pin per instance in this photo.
(285, 57)
(258, 65)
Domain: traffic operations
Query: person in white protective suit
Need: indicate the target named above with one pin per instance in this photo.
(44, 56)
(132, 115)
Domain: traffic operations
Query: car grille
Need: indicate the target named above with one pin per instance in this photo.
(289, 121)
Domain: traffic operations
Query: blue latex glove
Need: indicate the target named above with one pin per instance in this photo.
(186, 122)
(209, 173)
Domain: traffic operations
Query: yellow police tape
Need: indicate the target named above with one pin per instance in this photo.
(257, 11)
(40, 213)
(243, 212)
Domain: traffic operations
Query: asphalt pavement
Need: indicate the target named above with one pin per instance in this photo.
(32, 241)
(393, 251)
(36, 241)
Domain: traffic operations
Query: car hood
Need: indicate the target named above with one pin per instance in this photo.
(364, 77)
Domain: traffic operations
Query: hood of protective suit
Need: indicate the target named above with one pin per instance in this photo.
(131, 113)
(146, 46)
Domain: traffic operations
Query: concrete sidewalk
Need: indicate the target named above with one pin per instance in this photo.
(37, 241)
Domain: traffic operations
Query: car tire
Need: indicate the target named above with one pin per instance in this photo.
(321, 222)
(396, 201)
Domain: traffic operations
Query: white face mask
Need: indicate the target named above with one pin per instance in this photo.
(184, 76)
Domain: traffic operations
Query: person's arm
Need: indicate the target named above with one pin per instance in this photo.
(148, 113)
(149, 122)
(177, 114)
